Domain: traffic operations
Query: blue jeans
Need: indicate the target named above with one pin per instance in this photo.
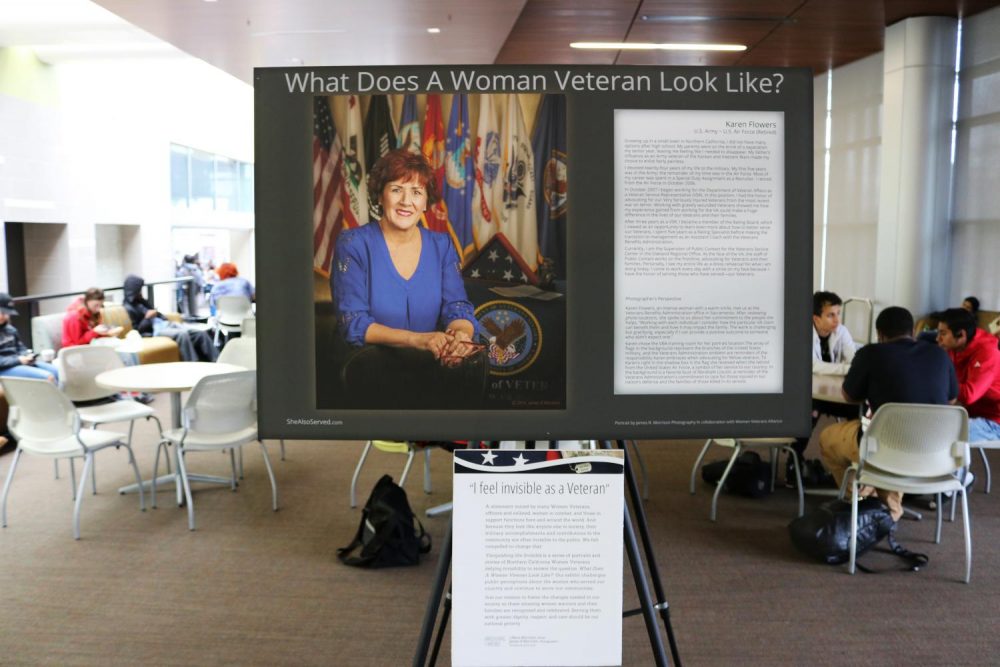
(982, 429)
(36, 371)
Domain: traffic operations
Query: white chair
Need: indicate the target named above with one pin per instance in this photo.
(79, 366)
(45, 423)
(249, 328)
(739, 445)
(242, 351)
(394, 447)
(230, 311)
(220, 414)
(914, 448)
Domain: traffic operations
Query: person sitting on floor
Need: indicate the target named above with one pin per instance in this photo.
(194, 344)
(82, 323)
(896, 369)
(16, 360)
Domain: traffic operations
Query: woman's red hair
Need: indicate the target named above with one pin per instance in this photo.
(401, 164)
(227, 270)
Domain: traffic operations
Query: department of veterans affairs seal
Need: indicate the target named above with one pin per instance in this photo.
(511, 334)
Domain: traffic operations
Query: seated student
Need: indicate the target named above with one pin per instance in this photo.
(833, 346)
(974, 353)
(230, 284)
(896, 369)
(971, 304)
(15, 358)
(194, 345)
(833, 350)
(82, 323)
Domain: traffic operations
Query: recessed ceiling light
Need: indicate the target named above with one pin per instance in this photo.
(295, 61)
(651, 46)
(434, 31)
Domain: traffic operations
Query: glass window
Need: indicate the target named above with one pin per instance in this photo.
(180, 187)
(226, 184)
(202, 180)
(246, 187)
(208, 182)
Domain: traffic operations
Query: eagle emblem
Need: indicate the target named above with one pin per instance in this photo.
(511, 334)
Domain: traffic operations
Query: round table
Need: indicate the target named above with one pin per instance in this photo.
(827, 388)
(174, 378)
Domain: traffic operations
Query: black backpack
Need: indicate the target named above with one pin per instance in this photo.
(825, 533)
(750, 476)
(387, 534)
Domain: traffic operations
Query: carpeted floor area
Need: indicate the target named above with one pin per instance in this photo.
(253, 587)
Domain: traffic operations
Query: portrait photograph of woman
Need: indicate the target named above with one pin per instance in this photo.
(415, 230)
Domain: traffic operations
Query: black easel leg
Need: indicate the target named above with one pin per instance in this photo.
(640, 517)
(641, 585)
(442, 626)
(434, 602)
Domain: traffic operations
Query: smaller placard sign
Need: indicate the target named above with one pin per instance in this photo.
(537, 558)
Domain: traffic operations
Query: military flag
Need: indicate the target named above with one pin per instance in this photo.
(486, 192)
(549, 147)
(517, 172)
(354, 161)
(380, 137)
(436, 216)
(459, 175)
(409, 125)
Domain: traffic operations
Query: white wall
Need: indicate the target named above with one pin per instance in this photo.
(93, 147)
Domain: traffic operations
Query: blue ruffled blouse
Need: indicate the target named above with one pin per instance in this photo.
(367, 288)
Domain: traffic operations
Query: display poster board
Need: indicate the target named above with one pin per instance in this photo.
(628, 249)
(537, 558)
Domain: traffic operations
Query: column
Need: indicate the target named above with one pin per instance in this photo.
(912, 251)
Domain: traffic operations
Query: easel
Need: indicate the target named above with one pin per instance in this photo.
(648, 608)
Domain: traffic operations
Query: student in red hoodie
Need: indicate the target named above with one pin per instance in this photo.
(82, 324)
(977, 364)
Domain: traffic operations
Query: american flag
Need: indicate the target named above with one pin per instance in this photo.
(330, 215)
(498, 261)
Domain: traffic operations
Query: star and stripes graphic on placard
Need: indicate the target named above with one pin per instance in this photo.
(539, 461)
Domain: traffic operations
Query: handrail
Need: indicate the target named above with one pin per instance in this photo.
(60, 295)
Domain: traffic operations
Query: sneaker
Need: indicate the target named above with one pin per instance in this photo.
(144, 398)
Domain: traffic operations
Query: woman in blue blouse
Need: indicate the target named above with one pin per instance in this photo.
(396, 283)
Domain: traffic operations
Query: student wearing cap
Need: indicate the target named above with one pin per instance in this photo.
(15, 358)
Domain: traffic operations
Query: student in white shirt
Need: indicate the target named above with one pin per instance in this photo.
(833, 347)
(833, 351)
